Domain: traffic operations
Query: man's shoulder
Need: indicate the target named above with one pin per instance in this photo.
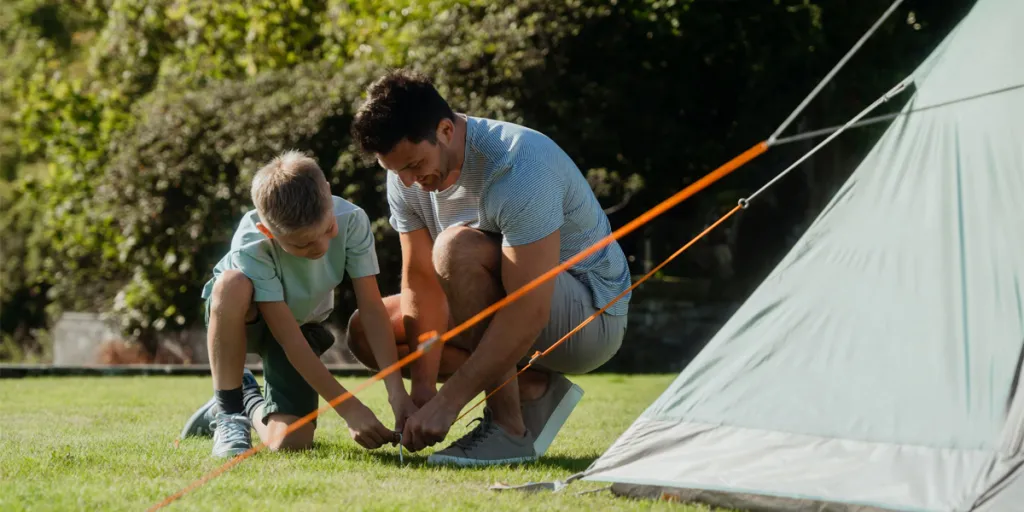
(505, 138)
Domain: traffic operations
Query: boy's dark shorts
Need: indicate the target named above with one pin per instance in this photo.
(284, 389)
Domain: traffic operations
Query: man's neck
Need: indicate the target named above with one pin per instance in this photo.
(459, 146)
(458, 151)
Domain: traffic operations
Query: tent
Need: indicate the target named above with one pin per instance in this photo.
(878, 366)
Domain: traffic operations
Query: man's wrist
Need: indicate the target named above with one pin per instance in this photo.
(451, 398)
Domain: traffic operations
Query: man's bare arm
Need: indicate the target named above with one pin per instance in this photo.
(424, 308)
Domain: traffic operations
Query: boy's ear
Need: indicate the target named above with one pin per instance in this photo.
(263, 229)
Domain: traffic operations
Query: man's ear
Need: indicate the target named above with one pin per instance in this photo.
(263, 229)
(445, 131)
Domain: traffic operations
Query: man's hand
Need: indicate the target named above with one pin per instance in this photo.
(423, 392)
(429, 425)
(403, 406)
(363, 425)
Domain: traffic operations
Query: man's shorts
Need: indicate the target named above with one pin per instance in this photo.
(587, 349)
(584, 351)
(284, 389)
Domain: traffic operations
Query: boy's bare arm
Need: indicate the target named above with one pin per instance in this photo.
(381, 338)
(424, 308)
(363, 425)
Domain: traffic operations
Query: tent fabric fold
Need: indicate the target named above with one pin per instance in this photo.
(878, 366)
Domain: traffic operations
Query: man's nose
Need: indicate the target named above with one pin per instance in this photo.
(407, 178)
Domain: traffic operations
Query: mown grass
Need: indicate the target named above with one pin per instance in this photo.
(108, 444)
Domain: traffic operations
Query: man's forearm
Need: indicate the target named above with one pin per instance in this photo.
(424, 309)
(507, 339)
(382, 343)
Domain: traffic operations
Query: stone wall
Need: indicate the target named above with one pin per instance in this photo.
(669, 323)
(83, 338)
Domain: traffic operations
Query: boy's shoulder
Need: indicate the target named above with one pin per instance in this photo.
(350, 216)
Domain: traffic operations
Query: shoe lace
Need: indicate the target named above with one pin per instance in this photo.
(235, 429)
(480, 432)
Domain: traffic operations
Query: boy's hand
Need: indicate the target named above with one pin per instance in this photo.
(364, 427)
(403, 406)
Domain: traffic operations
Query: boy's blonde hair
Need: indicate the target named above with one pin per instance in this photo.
(291, 193)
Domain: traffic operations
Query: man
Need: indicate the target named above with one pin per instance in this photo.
(482, 208)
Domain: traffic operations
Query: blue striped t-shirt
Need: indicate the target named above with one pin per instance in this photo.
(518, 182)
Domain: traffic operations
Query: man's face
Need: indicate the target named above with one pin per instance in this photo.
(312, 242)
(426, 164)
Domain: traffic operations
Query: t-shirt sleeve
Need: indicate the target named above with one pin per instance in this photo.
(258, 265)
(360, 252)
(526, 203)
(402, 218)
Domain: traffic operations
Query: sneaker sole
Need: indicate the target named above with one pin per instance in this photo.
(230, 453)
(561, 413)
(464, 462)
(187, 430)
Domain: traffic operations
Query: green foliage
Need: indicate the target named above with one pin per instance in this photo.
(129, 128)
(179, 181)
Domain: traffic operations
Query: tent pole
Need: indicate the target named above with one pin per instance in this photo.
(821, 85)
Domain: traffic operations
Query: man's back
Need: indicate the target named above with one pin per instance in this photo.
(518, 182)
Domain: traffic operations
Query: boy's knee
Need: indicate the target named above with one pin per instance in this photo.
(233, 290)
(300, 439)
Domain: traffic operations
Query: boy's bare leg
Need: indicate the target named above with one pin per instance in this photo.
(229, 309)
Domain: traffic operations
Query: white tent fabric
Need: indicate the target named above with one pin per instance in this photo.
(878, 366)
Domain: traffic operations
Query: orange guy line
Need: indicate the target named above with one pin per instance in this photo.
(658, 209)
(538, 355)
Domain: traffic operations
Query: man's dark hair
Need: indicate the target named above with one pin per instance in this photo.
(402, 104)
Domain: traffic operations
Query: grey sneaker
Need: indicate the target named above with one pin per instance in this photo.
(546, 415)
(487, 444)
(232, 435)
(200, 424)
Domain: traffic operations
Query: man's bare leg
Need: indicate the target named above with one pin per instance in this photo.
(468, 265)
(532, 383)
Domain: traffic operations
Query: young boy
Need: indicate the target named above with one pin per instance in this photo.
(270, 295)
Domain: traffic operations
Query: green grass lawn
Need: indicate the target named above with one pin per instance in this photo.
(108, 444)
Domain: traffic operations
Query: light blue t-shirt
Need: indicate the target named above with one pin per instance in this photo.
(307, 286)
(518, 182)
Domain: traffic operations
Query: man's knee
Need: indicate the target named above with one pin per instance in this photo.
(459, 246)
(356, 341)
(232, 293)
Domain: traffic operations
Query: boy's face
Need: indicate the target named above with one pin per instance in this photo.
(311, 243)
(426, 165)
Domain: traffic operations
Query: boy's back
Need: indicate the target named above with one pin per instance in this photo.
(306, 285)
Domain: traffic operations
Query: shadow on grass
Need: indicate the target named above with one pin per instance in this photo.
(565, 463)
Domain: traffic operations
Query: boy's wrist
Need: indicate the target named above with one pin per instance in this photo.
(395, 389)
(347, 407)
